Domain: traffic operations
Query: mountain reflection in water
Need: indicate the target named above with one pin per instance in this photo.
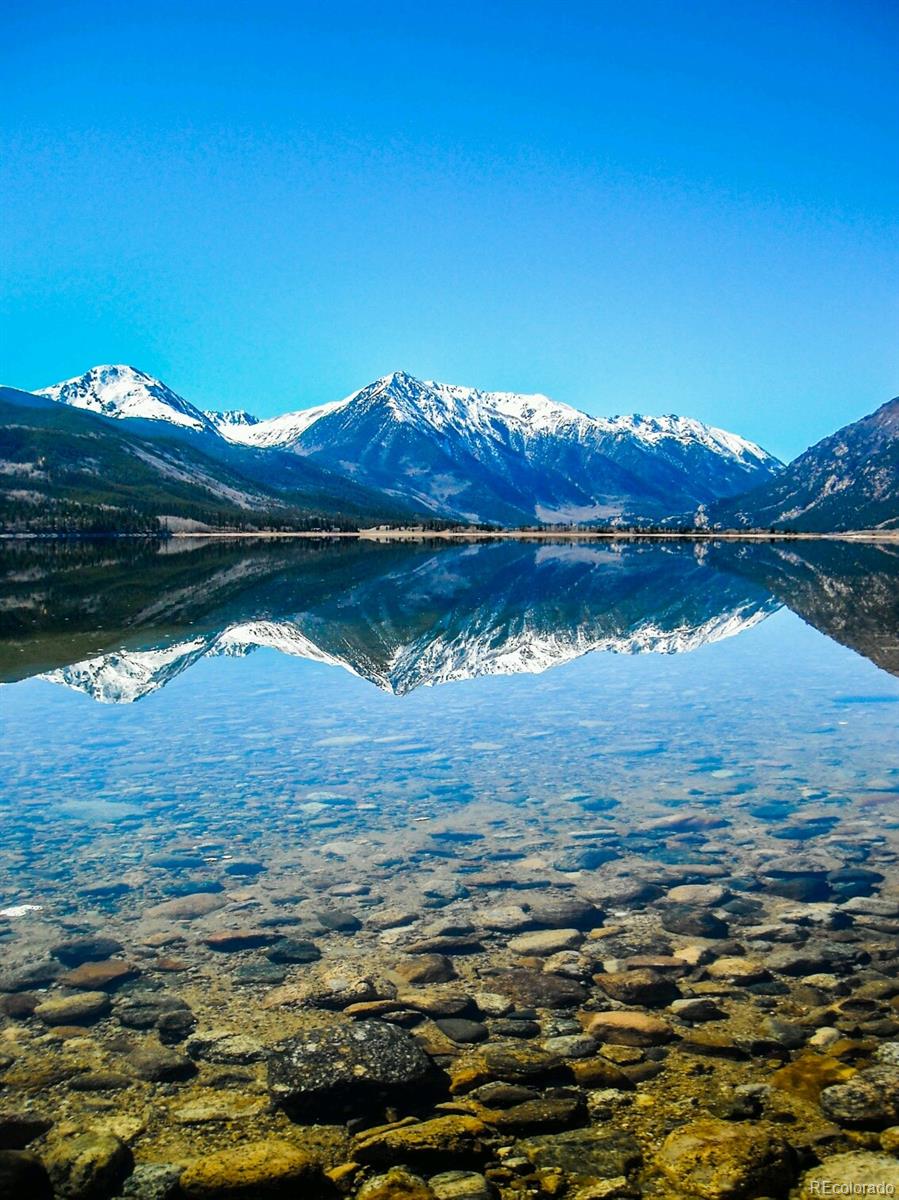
(119, 621)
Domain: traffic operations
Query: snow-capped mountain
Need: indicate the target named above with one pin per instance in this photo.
(507, 457)
(467, 454)
(123, 391)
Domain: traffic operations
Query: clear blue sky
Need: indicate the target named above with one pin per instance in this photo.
(651, 207)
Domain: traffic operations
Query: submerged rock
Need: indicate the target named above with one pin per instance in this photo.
(870, 1099)
(538, 989)
(641, 986)
(266, 1168)
(152, 1181)
(91, 1166)
(92, 948)
(628, 1028)
(440, 1141)
(585, 1155)
(348, 1069)
(878, 1173)
(724, 1160)
(161, 1064)
(461, 1185)
(396, 1184)
(17, 1129)
(83, 1009)
(100, 976)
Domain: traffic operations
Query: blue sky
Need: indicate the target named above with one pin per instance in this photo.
(646, 207)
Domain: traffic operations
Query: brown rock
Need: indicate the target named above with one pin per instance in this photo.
(734, 969)
(83, 1009)
(538, 989)
(229, 941)
(627, 1028)
(451, 1139)
(638, 987)
(100, 976)
(188, 908)
(426, 968)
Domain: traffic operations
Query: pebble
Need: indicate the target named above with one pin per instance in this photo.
(643, 987)
(457, 1139)
(161, 1064)
(546, 941)
(460, 1030)
(425, 969)
(187, 908)
(100, 976)
(461, 1185)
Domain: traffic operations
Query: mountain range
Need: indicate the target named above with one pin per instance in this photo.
(431, 450)
(404, 450)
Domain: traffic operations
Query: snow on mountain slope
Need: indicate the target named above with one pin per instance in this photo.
(508, 457)
(278, 432)
(447, 406)
(468, 454)
(230, 419)
(123, 391)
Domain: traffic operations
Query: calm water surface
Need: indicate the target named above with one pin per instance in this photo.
(415, 738)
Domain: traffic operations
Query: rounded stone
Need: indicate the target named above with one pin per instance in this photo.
(628, 1028)
(638, 987)
(704, 895)
(458, 1029)
(426, 968)
(91, 1166)
(86, 949)
(726, 1160)
(346, 1068)
(734, 969)
(461, 1185)
(268, 1167)
(83, 1009)
(439, 1141)
(100, 976)
(859, 1169)
(546, 941)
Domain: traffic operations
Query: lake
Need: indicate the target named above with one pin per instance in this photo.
(551, 846)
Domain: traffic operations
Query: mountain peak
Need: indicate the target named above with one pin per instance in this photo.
(122, 391)
(230, 418)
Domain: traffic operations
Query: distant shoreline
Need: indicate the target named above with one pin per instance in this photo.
(463, 535)
(543, 535)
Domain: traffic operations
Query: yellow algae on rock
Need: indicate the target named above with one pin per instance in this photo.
(247, 1170)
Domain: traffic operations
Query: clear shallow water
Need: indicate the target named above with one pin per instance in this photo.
(430, 731)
